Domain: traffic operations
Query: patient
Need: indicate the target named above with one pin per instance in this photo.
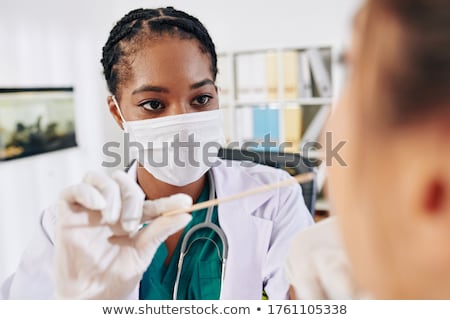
(392, 201)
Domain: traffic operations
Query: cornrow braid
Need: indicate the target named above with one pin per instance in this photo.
(140, 24)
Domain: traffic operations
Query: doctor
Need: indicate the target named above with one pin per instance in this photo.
(160, 66)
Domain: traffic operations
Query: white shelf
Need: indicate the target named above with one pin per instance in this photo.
(248, 84)
(302, 98)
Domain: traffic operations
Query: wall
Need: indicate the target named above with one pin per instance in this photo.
(50, 43)
(58, 43)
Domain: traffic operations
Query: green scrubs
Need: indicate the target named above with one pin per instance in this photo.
(201, 274)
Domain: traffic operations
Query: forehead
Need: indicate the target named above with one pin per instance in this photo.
(169, 59)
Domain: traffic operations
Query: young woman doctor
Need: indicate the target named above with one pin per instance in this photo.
(160, 67)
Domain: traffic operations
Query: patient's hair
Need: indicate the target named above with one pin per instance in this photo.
(141, 25)
(411, 55)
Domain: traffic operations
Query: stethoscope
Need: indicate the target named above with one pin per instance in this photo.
(207, 224)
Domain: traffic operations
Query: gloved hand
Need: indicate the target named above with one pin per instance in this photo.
(317, 266)
(100, 252)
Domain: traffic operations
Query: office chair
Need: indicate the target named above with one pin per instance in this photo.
(293, 163)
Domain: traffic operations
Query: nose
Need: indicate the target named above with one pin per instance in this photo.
(178, 107)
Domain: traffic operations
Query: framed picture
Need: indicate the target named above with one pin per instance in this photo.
(35, 121)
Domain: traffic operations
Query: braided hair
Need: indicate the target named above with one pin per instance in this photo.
(144, 24)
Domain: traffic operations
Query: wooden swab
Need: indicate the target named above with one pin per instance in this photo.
(300, 178)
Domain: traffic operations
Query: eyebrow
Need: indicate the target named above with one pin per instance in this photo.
(146, 88)
(202, 83)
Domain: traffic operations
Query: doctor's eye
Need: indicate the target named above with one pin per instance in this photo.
(202, 100)
(152, 105)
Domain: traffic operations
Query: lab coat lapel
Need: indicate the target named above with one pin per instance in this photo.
(248, 236)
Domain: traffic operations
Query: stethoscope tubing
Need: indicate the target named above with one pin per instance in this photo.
(207, 224)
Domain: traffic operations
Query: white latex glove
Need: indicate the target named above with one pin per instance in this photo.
(100, 253)
(317, 266)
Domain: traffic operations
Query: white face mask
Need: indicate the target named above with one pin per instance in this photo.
(176, 149)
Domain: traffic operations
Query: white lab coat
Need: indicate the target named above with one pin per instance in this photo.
(259, 230)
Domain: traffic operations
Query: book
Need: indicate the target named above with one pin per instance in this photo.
(290, 74)
(304, 76)
(243, 123)
(320, 74)
(292, 126)
(272, 75)
(243, 78)
(258, 77)
(266, 125)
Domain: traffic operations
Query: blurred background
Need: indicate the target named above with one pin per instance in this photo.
(51, 43)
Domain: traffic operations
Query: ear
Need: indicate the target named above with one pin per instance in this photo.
(434, 204)
(433, 227)
(114, 112)
(435, 200)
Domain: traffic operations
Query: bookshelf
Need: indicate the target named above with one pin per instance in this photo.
(285, 93)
